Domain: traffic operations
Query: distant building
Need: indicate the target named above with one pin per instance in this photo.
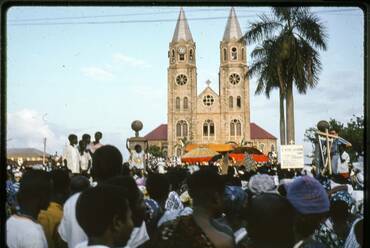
(260, 138)
(209, 117)
(26, 156)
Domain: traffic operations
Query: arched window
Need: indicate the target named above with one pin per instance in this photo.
(191, 55)
(238, 129)
(185, 129)
(231, 103)
(178, 103)
(272, 147)
(208, 128)
(186, 103)
(181, 56)
(232, 129)
(173, 56)
(225, 54)
(242, 53)
(234, 53)
(178, 152)
(235, 128)
(239, 102)
(178, 129)
(182, 129)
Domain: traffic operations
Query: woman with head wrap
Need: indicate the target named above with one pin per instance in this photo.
(234, 218)
(270, 222)
(334, 231)
(261, 183)
(311, 203)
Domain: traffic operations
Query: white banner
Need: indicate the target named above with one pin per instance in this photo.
(292, 156)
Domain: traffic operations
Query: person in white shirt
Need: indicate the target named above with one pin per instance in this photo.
(343, 161)
(85, 158)
(137, 158)
(87, 139)
(106, 165)
(71, 156)
(22, 229)
(96, 144)
(109, 222)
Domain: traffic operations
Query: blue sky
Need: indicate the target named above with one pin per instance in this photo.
(84, 69)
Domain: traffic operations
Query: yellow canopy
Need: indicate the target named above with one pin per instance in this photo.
(213, 147)
(200, 152)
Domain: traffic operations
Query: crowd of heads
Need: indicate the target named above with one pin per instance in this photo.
(117, 205)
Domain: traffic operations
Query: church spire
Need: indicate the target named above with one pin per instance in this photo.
(182, 31)
(232, 30)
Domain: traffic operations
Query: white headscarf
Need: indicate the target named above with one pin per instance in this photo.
(138, 236)
(351, 241)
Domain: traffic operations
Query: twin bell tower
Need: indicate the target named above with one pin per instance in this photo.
(208, 117)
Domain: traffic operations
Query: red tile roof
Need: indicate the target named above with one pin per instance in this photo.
(159, 133)
(257, 132)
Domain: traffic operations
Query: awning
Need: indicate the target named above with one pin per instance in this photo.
(214, 147)
(199, 154)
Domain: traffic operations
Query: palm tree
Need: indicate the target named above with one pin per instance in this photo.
(266, 65)
(290, 36)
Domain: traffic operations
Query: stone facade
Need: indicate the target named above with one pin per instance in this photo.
(209, 117)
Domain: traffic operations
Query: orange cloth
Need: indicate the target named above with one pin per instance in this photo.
(256, 157)
(214, 147)
(49, 220)
(195, 160)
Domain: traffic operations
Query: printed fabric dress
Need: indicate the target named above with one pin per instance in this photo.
(328, 236)
(181, 233)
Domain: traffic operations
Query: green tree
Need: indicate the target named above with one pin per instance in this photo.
(155, 151)
(353, 131)
(288, 57)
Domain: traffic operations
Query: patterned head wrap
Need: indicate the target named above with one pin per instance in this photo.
(235, 199)
(342, 196)
(173, 202)
(261, 183)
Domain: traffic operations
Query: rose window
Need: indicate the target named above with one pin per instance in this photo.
(181, 79)
(208, 100)
(234, 78)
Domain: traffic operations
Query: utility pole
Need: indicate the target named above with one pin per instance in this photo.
(43, 156)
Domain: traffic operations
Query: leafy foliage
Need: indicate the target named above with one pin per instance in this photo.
(353, 131)
(155, 151)
(286, 55)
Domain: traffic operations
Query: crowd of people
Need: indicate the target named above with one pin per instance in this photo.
(97, 200)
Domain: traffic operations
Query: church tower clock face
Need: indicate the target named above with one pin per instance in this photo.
(234, 78)
(182, 50)
(181, 79)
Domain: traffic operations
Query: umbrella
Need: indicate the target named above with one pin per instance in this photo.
(246, 149)
(200, 154)
(217, 157)
(239, 154)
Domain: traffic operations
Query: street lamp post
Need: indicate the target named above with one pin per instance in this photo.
(43, 156)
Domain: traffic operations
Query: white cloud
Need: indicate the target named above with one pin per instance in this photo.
(27, 128)
(127, 60)
(97, 73)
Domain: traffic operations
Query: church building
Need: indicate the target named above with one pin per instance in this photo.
(209, 117)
